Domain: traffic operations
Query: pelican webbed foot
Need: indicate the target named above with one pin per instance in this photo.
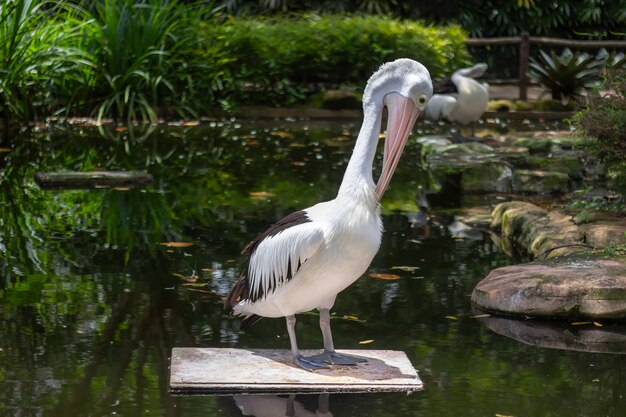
(310, 363)
(334, 358)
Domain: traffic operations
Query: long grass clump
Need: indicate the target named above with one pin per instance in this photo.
(38, 55)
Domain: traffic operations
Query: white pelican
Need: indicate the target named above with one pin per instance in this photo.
(304, 260)
(465, 99)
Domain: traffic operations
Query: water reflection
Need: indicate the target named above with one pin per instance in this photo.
(280, 406)
(584, 336)
(91, 303)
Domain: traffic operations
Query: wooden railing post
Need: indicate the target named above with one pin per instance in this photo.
(524, 53)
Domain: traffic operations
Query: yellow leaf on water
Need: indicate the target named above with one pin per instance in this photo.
(480, 316)
(176, 244)
(194, 284)
(260, 194)
(451, 317)
(579, 323)
(121, 188)
(366, 342)
(381, 136)
(389, 277)
(5, 150)
(353, 318)
(595, 323)
(282, 134)
(503, 415)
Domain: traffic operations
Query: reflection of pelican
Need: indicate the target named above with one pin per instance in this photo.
(275, 406)
(302, 262)
(464, 100)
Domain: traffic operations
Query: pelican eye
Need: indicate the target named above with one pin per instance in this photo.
(421, 100)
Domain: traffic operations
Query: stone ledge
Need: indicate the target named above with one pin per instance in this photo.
(569, 288)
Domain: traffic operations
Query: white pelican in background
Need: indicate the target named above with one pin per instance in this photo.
(464, 100)
(302, 262)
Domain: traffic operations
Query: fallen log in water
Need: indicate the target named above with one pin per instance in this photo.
(93, 179)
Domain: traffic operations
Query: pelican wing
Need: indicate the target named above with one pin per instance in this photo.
(275, 256)
(440, 106)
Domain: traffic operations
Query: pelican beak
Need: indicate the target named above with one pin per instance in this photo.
(401, 115)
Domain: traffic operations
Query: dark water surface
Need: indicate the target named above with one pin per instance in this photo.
(92, 301)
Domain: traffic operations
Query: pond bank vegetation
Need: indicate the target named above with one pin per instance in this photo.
(141, 60)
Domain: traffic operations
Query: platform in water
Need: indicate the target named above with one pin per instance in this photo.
(237, 371)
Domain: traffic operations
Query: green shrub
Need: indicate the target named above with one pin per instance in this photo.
(603, 122)
(274, 55)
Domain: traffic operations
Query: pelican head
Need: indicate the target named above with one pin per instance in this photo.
(404, 87)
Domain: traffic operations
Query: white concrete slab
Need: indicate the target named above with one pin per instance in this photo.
(237, 371)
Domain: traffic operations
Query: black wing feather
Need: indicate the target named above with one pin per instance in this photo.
(241, 289)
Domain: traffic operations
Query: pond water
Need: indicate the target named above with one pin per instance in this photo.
(92, 300)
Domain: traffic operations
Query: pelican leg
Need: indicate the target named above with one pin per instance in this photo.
(299, 360)
(329, 355)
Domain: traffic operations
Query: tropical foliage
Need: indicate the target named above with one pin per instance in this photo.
(567, 74)
(38, 55)
(141, 60)
(481, 18)
(603, 122)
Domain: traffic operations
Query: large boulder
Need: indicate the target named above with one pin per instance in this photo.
(569, 287)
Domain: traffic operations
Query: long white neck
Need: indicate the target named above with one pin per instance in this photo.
(358, 179)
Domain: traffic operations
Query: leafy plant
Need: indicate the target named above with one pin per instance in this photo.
(37, 58)
(143, 53)
(565, 75)
(603, 122)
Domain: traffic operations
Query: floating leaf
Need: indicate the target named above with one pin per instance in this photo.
(503, 415)
(261, 194)
(282, 134)
(188, 278)
(5, 150)
(381, 136)
(194, 284)
(388, 277)
(451, 318)
(251, 142)
(297, 145)
(176, 244)
(406, 268)
(580, 323)
(595, 323)
(366, 342)
(298, 163)
(480, 316)
(191, 123)
(416, 241)
(121, 188)
(353, 318)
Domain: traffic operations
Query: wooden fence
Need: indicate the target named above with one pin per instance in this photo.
(524, 42)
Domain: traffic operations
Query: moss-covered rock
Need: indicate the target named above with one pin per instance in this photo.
(535, 181)
(566, 164)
